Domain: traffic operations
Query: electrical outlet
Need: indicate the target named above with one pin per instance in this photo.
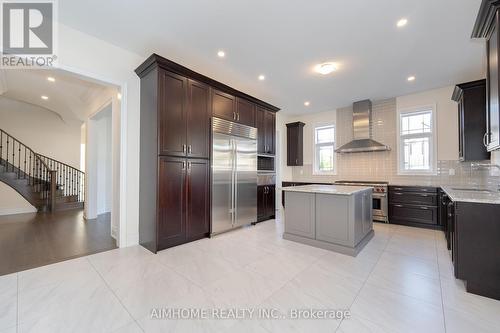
(301, 171)
(451, 172)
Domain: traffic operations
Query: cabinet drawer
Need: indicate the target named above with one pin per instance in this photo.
(425, 189)
(413, 214)
(427, 199)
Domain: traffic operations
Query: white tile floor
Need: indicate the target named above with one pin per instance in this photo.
(401, 282)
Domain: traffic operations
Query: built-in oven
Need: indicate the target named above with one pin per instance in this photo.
(380, 209)
(265, 164)
(380, 206)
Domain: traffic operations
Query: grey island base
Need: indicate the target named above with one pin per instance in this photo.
(332, 217)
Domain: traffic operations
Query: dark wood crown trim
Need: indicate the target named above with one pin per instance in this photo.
(295, 124)
(158, 61)
(459, 88)
(484, 19)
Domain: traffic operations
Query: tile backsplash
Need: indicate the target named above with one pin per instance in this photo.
(382, 166)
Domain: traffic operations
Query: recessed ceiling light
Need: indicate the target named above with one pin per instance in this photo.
(411, 78)
(402, 22)
(44, 97)
(307, 103)
(262, 77)
(221, 54)
(325, 68)
(51, 79)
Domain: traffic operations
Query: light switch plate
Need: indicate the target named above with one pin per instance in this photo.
(451, 172)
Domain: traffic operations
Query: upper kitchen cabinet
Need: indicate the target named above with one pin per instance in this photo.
(184, 117)
(265, 121)
(223, 105)
(245, 112)
(471, 98)
(232, 108)
(486, 26)
(294, 144)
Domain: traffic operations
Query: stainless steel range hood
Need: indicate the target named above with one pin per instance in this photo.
(362, 131)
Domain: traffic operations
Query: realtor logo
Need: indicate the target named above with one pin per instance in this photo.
(28, 33)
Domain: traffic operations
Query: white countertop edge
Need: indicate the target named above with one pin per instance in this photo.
(327, 189)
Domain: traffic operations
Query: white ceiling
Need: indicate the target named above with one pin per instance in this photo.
(283, 39)
(71, 97)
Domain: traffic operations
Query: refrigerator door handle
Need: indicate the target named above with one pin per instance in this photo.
(235, 182)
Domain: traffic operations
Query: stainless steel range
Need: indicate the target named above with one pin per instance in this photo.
(380, 200)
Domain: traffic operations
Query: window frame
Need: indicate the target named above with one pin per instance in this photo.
(432, 140)
(316, 170)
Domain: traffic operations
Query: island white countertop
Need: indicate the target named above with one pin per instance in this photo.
(463, 194)
(327, 189)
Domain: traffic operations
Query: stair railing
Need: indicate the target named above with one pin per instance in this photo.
(44, 174)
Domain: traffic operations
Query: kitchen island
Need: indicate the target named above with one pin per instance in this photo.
(332, 217)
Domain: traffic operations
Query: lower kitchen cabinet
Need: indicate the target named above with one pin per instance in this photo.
(183, 201)
(415, 206)
(266, 202)
(475, 246)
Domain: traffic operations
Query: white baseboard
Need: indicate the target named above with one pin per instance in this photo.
(132, 239)
(12, 211)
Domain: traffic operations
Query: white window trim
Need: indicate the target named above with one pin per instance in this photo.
(315, 170)
(433, 146)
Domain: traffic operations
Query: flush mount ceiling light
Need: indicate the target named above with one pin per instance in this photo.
(402, 22)
(221, 54)
(262, 77)
(51, 79)
(411, 78)
(307, 103)
(44, 97)
(325, 68)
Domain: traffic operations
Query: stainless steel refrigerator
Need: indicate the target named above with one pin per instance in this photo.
(234, 175)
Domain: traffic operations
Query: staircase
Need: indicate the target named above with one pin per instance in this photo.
(47, 184)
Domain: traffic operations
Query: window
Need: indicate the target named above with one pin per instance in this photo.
(416, 141)
(324, 150)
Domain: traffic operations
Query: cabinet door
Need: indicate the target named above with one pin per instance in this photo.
(198, 199)
(271, 201)
(171, 202)
(300, 214)
(461, 130)
(292, 146)
(223, 105)
(198, 120)
(261, 130)
(270, 123)
(245, 112)
(261, 202)
(172, 98)
(493, 119)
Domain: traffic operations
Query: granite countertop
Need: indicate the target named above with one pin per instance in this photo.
(463, 194)
(327, 189)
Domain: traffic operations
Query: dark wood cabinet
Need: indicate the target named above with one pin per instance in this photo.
(183, 199)
(295, 144)
(172, 100)
(171, 202)
(475, 246)
(486, 26)
(265, 121)
(223, 105)
(471, 99)
(197, 199)
(266, 202)
(198, 120)
(245, 112)
(175, 137)
(414, 206)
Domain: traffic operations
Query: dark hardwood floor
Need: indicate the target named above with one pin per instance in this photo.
(33, 240)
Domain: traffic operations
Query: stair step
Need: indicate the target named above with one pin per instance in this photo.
(69, 205)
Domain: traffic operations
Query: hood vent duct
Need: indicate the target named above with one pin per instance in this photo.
(362, 131)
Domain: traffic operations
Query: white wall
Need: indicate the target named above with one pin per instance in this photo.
(104, 161)
(44, 132)
(446, 118)
(86, 55)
